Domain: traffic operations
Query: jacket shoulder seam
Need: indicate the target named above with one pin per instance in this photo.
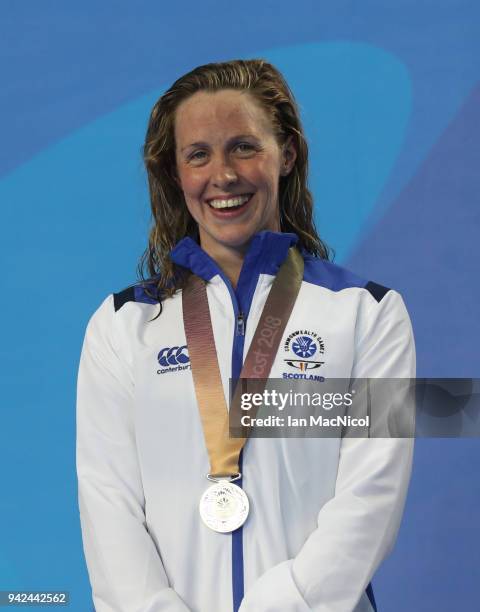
(122, 297)
(377, 291)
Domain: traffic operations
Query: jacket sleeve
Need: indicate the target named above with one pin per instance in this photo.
(124, 566)
(357, 528)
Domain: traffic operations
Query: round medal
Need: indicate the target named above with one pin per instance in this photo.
(224, 506)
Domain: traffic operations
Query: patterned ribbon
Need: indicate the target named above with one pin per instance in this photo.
(223, 450)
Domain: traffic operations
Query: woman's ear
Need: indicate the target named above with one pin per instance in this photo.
(289, 156)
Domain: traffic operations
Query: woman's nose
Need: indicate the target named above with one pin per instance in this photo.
(223, 173)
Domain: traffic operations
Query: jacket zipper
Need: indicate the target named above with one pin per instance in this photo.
(240, 324)
(238, 585)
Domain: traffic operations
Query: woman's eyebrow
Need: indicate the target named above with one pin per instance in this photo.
(240, 136)
(230, 140)
(194, 144)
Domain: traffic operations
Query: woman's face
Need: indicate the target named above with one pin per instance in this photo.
(228, 167)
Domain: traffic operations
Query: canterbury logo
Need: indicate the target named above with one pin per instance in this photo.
(172, 356)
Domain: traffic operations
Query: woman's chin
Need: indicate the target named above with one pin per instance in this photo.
(231, 239)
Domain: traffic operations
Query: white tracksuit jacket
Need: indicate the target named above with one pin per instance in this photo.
(324, 512)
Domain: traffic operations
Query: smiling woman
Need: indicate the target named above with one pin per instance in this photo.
(230, 174)
(234, 125)
(238, 284)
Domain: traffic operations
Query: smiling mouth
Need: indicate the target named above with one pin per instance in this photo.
(230, 204)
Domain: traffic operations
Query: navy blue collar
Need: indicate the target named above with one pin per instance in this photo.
(266, 253)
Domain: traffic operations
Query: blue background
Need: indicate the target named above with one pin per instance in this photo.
(390, 98)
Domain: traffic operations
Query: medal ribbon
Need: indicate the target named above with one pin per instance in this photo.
(224, 451)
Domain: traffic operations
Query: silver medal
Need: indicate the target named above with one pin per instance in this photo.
(224, 506)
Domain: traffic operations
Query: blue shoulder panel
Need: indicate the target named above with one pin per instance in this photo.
(331, 276)
(135, 293)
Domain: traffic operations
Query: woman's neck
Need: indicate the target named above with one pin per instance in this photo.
(229, 259)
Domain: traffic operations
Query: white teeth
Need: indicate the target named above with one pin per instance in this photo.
(238, 201)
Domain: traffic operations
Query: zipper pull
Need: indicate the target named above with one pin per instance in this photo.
(240, 325)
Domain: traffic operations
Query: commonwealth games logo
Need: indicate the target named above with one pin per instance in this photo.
(304, 348)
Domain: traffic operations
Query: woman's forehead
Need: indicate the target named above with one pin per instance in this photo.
(225, 110)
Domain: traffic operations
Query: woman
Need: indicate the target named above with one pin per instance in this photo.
(227, 167)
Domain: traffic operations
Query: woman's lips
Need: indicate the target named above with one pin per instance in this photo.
(229, 213)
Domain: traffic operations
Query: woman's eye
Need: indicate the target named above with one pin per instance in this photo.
(197, 156)
(244, 147)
